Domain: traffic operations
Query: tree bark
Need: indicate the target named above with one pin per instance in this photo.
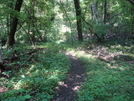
(1, 61)
(132, 14)
(131, 1)
(78, 18)
(105, 11)
(14, 23)
(94, 12)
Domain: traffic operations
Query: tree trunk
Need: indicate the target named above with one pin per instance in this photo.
(1, 61)
(94, 12)
(105, 11)
(131, 1)
(132, 14)
(14, 23)
(78, 18)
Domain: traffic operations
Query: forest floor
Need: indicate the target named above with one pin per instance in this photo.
(67, 89)
(84, 72)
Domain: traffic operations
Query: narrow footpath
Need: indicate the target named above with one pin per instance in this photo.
(67, 89)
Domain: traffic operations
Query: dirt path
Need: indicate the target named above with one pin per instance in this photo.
(67, 89)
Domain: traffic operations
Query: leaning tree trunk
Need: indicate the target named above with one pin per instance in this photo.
(14, 23)
(78, 18)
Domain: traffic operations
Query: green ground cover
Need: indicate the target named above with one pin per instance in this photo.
(113, 81)
(104, 81)
(35, 80)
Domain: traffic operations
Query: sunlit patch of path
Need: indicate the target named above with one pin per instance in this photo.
(67, 89)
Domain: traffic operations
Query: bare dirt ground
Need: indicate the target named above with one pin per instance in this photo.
(67, 89)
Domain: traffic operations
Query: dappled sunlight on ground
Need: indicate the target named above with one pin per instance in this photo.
(67, 89)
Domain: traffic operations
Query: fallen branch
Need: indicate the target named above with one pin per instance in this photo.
(15, 56)
(104, 59)
(26, 60)
(98, 37)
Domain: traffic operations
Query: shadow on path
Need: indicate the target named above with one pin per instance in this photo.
(67, 89)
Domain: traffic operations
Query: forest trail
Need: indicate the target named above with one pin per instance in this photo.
(67, 89)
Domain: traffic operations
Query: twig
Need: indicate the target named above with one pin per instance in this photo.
(26, 61)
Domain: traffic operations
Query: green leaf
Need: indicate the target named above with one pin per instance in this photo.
(27, 96)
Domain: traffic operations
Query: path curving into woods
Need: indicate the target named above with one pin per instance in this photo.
(67, 89)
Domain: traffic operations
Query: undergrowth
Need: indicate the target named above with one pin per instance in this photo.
(34, 81)
(112, 81)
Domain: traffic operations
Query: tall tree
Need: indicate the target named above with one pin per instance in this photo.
(78, 18)
(1, 61)
(132, 14)
(105, 11)
(14, 23)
